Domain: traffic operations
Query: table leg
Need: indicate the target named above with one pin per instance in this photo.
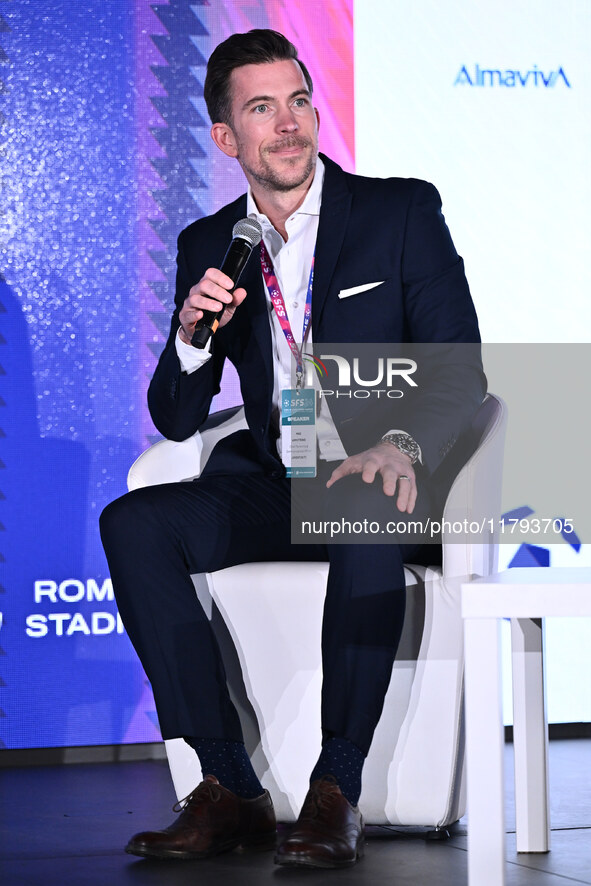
(530, 736)
(484, 752)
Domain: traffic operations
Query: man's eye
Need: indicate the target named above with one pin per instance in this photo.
(301, 102)
(260, 109)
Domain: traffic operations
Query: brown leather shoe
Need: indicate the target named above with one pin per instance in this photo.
(328, 832)
(212, 820)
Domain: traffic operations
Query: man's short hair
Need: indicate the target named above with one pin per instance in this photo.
(257, 47)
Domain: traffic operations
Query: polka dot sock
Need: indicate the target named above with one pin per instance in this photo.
(230, 764)
(343, 760)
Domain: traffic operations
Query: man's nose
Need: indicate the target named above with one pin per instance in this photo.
(286, 120)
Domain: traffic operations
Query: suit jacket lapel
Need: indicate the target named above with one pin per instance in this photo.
(334, 218)
(255, 304)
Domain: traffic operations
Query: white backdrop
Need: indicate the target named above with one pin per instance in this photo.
(511, 163)
(491, 102)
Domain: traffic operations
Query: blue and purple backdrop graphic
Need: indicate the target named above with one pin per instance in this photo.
(105, 155)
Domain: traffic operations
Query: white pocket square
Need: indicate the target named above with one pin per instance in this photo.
(355, 290)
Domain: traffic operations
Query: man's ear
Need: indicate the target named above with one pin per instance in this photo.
(224, 139)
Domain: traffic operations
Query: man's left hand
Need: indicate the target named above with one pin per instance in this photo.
(395, 467)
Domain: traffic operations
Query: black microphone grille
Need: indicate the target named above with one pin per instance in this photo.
(248, 229)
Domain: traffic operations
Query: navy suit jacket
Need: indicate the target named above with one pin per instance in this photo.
(389, 230)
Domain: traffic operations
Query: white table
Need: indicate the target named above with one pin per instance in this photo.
(525, 595)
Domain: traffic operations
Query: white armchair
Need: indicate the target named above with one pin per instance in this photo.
(414, 771)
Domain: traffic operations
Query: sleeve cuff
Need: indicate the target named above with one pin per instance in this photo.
(191, 358)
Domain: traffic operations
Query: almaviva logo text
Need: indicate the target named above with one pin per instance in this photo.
(511, 77)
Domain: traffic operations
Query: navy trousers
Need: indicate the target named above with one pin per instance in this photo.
(156, 537)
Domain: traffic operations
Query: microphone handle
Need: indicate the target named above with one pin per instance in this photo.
(233, 264)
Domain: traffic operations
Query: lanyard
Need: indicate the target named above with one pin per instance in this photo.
(276, 296)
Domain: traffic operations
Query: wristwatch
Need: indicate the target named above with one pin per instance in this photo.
(405, 443)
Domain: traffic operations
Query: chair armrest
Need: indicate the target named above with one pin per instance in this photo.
(169, 461)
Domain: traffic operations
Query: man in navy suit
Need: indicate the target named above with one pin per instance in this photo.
(385, 270)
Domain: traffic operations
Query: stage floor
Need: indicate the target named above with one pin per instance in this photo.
(68, 825)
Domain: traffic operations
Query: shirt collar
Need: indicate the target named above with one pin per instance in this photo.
(310, 206)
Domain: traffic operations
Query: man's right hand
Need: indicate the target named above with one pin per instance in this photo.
(209, 295)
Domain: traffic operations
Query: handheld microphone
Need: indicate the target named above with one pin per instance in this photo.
(246, 234)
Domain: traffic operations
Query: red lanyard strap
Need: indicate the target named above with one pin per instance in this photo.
(278, 303)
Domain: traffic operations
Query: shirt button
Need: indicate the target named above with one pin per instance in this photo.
(296, 304)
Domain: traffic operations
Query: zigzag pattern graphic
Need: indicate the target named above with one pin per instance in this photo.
(178, 157)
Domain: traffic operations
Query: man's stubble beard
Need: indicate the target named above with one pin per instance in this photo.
(269, 179)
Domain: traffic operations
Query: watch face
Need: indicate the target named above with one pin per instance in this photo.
(405, 444)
